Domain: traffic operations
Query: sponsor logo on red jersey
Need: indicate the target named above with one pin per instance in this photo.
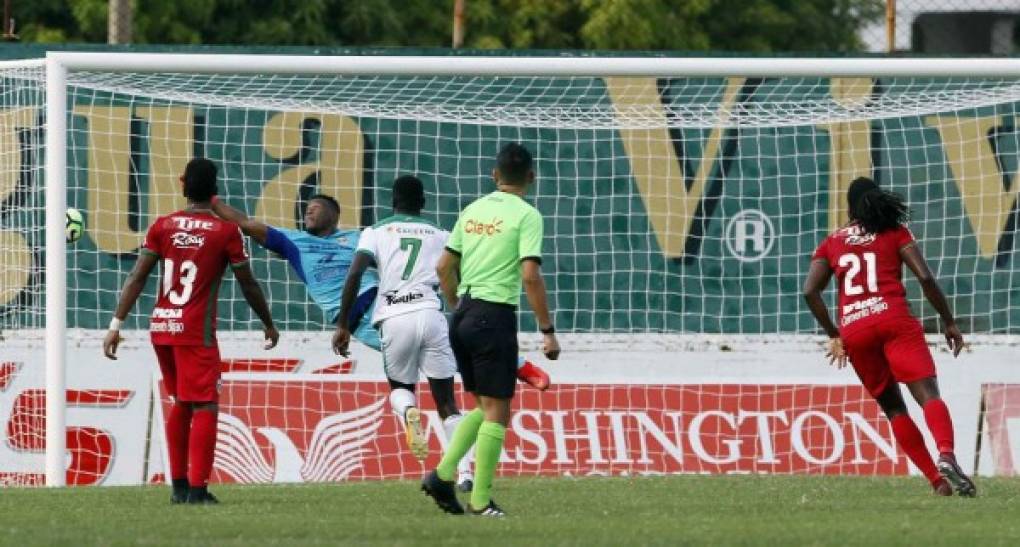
(184, 240)
(855, 235)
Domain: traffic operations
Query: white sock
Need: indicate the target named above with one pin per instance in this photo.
(464, 465)
(400, 400)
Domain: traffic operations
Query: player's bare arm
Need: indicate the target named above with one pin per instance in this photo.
(915, 261)
(257, 300)
(342, 336)
(534, 290)
(255, 229)
(133, 287)
(817, 279)
(446, 269)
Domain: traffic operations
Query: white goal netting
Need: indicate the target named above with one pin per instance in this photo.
(673, 206)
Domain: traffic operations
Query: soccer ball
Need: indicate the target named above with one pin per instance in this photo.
(74, 225)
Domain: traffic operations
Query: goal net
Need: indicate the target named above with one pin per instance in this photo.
(680, 215)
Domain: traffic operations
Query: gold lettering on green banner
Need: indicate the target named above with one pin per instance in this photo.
(340, 166)
(850, 144)
(975, 170)
(660, 176)
(15, 255)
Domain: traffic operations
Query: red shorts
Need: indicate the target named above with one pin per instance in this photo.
(190, 373)
(893, 350)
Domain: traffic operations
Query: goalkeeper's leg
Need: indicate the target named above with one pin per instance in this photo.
(532, 374)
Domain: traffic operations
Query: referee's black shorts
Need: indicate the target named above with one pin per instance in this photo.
(483, 336)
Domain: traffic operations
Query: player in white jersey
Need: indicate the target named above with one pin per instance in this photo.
(405, 248)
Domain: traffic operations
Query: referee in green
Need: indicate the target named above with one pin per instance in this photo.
(495, 245)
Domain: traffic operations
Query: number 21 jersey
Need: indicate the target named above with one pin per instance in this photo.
(194, 250)
(868, 270)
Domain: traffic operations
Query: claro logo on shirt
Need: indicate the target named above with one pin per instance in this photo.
(484, 228)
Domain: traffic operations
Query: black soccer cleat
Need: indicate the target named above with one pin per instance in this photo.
(441, 491)
(951, 471)
(491, 510)
(201, 496)
(180, 491)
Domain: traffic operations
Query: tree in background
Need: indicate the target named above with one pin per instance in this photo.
(740, 25)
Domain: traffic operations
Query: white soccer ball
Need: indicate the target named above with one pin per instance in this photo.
(74, 225)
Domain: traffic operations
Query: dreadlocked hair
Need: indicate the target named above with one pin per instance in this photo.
(878, 210)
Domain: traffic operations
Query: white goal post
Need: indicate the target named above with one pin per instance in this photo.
(61, 68)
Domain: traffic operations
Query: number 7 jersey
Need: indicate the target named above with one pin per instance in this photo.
(194, 250)
(868, 270)
(406, 250)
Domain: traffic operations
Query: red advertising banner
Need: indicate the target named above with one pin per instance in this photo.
(330, 430)
(1002, 414)
(91, 449)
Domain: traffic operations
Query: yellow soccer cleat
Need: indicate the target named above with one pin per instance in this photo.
(416, 441)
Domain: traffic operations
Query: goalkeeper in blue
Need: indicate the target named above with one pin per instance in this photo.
(321, 255)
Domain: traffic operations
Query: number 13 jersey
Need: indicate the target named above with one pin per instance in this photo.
(868, 270)
(194, 250)
(406, 250)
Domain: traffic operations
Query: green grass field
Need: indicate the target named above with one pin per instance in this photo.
(734, 510)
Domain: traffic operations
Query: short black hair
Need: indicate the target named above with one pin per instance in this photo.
(328, 199)
(408, 194)
(875, 209)
(200, 180)
(514, 163)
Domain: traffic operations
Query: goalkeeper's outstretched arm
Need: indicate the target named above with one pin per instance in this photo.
(255, 229)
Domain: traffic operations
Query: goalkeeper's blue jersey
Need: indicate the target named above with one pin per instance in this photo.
(322, 263)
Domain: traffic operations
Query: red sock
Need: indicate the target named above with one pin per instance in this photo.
(178, 427)
(203, 447)
(910, 440)
(936, 415)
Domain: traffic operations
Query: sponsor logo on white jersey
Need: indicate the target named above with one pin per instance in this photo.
(392, 298)
(411, 230)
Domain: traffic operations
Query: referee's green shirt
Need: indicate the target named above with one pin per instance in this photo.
(492, 236)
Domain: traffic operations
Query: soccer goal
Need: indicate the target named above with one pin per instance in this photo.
(682, 199)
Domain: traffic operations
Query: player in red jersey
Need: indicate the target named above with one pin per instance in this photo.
(194, 247)
(877, 333)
